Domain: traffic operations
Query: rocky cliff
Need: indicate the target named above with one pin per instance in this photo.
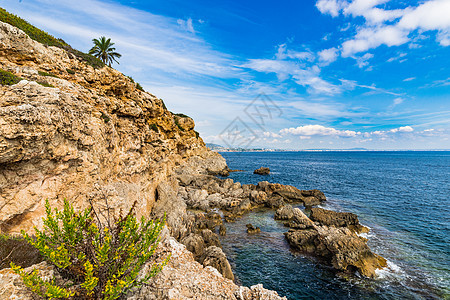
(90, 134)
(84, 134)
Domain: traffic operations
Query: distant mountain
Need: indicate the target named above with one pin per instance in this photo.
(215, 146)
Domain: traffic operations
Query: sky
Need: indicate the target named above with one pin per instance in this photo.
(325, 74)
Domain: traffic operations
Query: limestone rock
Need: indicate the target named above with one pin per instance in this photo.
(337, 219)
(214, 257)
(184, 278)
(285, 212)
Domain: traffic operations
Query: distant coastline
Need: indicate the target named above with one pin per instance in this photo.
(220, 148)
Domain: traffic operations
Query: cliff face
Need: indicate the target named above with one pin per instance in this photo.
(91, 136)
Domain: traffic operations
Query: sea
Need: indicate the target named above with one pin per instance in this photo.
(402, 196)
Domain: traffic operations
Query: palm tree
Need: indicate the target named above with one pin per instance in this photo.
(103, 49)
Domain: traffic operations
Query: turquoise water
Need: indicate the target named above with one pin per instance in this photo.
(402, 196)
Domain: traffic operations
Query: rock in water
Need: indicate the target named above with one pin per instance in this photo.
(262, 171)
(251, 229)
(339, 246)
(337, 219)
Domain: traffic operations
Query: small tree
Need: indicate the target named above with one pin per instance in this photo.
(104, 258)
(103, 49)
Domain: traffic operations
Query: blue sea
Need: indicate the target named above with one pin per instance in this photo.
(403, 197)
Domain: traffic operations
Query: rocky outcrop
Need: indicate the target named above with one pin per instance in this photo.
(285, 212)
(90, 136)
(339, 246)
(184, 278)
(262, 171)
(214, 257)
(337, 219)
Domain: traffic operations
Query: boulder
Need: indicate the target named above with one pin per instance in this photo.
(251, 229)
(258, 197)
(285, 212)
(300, 220)
(195, 244)
(214, 257)
(262, 171)
(339, 246)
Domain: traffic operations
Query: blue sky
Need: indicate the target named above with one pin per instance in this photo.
(334, 74)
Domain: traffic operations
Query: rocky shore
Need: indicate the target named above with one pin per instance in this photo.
(91, 135)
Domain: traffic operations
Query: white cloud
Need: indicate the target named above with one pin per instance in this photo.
(186, 25)
(409, 79)
(331, 7)
(402, 129)
(368, 38)
(363, 61)
(397, 101)
(328, 55)
(390, 27)
(318, 130)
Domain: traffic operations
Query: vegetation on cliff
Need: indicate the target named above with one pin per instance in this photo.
(101, 254)
(104, 50)
(7, 78)
(45, 38)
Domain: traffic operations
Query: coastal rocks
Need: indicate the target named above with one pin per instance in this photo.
(339, 246)
(93, 135)
(252, 229)
(291, 194)
(300, 220)
(214, 257)
(183, 278)
(262, 171)
(337, 219)
(285, 212)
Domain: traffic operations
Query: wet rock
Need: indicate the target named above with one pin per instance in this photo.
(214, 257)
(262, 171)
(251, 229)
(222, 230)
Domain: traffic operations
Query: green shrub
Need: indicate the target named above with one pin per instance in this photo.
(45, 38)
(103, 257)
(139, 87)
(42, 73)
(182, 115)
(45, 83)
(70, 71)
(105, 117)
(154, 127)
(7, 78)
